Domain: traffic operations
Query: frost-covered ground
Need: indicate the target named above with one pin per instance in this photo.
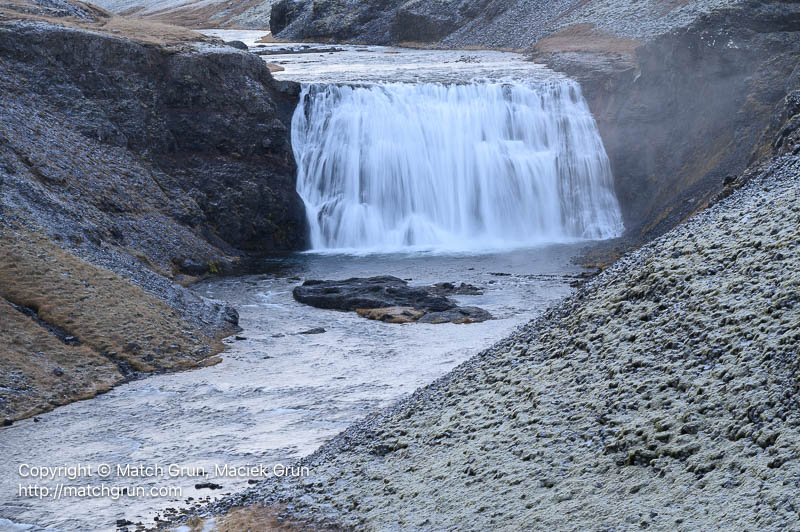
(662, 395)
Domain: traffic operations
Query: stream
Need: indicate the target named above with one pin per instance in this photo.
(279, 394)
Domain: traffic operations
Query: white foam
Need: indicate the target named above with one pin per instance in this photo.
(487, 165)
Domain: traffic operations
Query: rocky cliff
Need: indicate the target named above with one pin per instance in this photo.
(683, 113)
(158, 163)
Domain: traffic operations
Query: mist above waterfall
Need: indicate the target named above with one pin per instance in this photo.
(388, 167)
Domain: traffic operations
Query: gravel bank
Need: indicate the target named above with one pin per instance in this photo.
(663, 394)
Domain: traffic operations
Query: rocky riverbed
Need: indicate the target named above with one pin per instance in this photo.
(293, 378)
(663, 394)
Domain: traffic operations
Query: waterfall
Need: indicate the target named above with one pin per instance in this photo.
(457, 167)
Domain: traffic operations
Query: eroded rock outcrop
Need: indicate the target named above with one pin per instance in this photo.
(389, 299)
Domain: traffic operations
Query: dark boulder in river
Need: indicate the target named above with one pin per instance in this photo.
(414, 303)
(372, 292)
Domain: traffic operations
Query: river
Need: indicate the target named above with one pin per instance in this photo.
(278, 393)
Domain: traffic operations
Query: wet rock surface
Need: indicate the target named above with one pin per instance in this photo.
(661, 395)
(390, 299)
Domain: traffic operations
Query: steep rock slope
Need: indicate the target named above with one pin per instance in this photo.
(160, 164)
(373, 22)
(662, 395)
(493, 23)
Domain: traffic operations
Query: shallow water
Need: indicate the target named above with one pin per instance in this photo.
(368, 64)
(317, 63)
(278, 394)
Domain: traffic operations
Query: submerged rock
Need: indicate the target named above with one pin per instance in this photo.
(239, 45)
(457, 315)
(315, 330)
(449, 289)
(389, 299)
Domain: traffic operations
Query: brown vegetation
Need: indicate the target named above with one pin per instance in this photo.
(137, 29)
(586, 38)
(255, 519)
(39, 372)
(116, 328)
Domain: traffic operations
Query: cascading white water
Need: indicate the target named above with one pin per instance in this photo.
(456, 167)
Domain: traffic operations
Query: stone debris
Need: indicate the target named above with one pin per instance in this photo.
(663, 394)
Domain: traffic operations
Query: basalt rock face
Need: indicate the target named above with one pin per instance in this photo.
(199, 135)
(375, 22)
(687, 110)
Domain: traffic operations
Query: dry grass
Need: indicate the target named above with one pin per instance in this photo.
(215, 15)
(137, 29)
(115, 322)
(39, 372)
(148, 31)
(586, 38)
(254, 519)
(266, 39)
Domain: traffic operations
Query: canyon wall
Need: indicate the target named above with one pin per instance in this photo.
(109, 140)
(129, 169)
(684, 114)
